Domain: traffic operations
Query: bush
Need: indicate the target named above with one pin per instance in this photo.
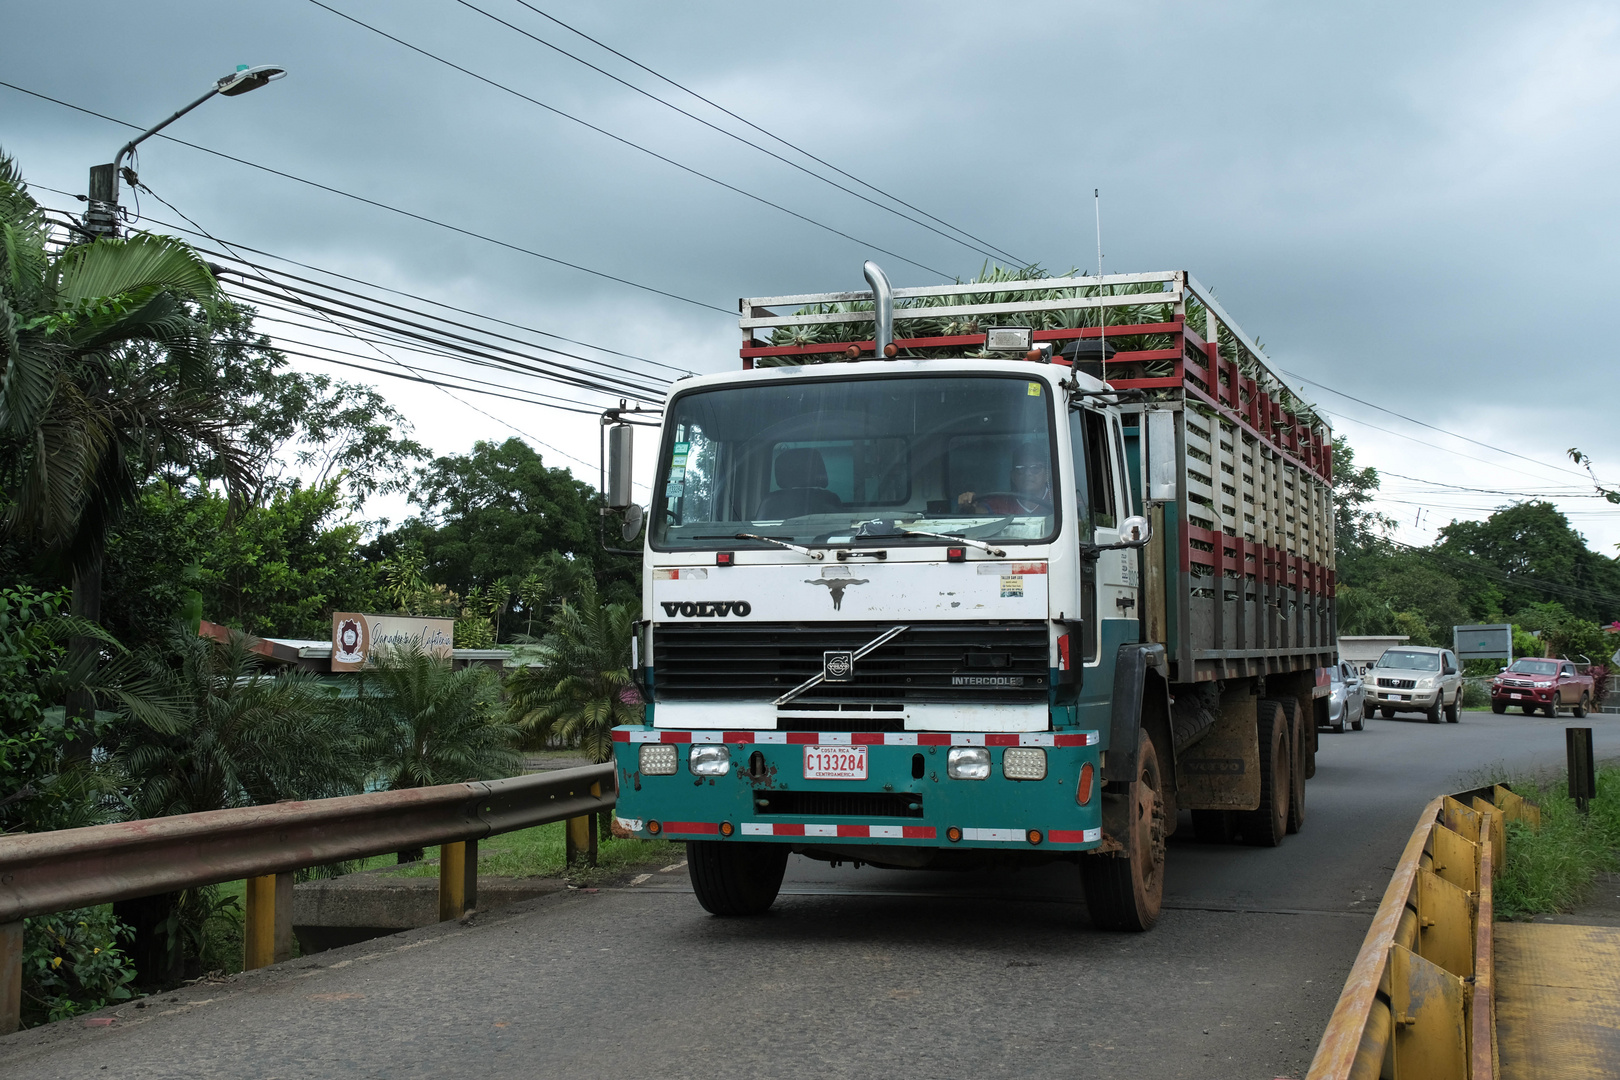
(72, 963)
(1476, 694)
(1553, 868)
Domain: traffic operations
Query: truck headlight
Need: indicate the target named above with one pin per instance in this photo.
(712, 760)
(1425, 684)
(968, 763)
(657, 759)
(1023, 763)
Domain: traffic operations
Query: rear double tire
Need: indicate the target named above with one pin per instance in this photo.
(1300, 768)
(735, 878)
(1267, 824)
(1125, 891)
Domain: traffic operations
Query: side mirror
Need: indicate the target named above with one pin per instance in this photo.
(1161, 455)
(619, 466)
(633, 518)
(1135, 531)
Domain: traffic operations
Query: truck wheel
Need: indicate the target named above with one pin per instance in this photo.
(1299, 770)
(735, 878)
(1212, 826)
(1552, 708)
(1125, 891)
(1498, 707)
(1387, 714)
(1529, 710)
(1583, 706)
(1266, 825)
(1454, 710)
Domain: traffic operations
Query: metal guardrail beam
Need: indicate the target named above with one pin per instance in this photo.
(42, 873)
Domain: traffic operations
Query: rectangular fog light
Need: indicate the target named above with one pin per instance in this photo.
(658, 759)
(1023, 763)
(712, 760)
(968, 763)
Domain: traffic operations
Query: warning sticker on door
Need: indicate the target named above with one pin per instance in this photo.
(1012, 585)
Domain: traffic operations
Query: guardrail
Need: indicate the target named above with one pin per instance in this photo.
(41, 873)
(1420, 1000)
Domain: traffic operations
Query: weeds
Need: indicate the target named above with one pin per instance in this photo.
(1552, 869)
(538, 852)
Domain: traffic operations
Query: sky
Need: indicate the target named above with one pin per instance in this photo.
(1412, 205)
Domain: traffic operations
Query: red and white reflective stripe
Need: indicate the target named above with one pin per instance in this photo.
(828, 830)
(863, 738)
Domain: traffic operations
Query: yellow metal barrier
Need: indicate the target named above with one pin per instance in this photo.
(1418, 1004)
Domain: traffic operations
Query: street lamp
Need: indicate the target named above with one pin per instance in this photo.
(101, 219)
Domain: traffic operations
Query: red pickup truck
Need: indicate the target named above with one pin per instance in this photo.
(1535, 684)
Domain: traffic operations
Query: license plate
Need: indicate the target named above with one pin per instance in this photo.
(835, 763)
(1517, 697)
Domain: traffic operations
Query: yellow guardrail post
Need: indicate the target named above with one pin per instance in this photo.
(579, 840)
(11, 949)
(1420, 1000)
(458, 879)
(267, 927)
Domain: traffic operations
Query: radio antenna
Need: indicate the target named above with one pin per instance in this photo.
(1102, 312)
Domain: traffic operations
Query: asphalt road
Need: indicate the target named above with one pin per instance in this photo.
(855, 973)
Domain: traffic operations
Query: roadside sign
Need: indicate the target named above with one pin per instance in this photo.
(1484, 642)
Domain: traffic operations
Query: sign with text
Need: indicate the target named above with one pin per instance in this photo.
(1487, 642)
(357, 637)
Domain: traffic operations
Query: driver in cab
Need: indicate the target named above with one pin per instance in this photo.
(1031, 484)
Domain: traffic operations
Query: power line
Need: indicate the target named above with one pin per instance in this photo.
(624, 141)
(768, 134)
(993, 254)
(1431, 427)
(379, 205)
(1572, 494)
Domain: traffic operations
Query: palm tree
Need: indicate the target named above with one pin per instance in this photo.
(220, 729)
(425, 723)
(104, 379)
(580, 689)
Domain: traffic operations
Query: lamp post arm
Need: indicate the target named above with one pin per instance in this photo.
(148, 133)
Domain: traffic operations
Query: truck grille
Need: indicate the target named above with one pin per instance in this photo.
(1003, 662)
(839, 803)
(1397, 684)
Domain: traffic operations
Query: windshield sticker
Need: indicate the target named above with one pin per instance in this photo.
(1012, 586)
(1034, 389)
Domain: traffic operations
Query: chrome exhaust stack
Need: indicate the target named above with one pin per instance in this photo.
(882, 310)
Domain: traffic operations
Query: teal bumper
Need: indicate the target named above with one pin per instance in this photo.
(763, 795)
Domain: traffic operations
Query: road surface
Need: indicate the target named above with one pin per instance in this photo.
(855, 973)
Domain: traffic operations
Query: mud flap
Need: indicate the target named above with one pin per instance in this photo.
(1130, 675)
(1222, 771)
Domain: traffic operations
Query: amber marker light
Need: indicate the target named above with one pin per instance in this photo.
(953, 834)
(853, 352)
(654, 828)
(1034, 836)
(1082, 790)
(726, 828)
(891, 350)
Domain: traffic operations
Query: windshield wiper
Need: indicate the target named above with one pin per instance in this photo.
(980, 544)
(818, 555)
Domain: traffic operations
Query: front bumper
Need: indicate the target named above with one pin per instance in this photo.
(1521, 695)
(997, 812)
(1408, 700)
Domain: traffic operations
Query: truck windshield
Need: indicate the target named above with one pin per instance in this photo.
(820, 462)
(1535, 667)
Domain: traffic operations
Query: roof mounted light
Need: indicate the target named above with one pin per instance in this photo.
(1014, 339)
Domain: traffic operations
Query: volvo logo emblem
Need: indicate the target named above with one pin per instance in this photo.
(707, 609)
(838, 665)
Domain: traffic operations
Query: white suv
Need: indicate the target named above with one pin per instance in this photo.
(1415, 678)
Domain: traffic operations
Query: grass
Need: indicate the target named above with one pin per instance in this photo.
(539, 852)
(1553, 869)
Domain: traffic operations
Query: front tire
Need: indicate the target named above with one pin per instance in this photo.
(1552, 708)
(1498, 707)
(1266, 825)
(1454, 710)
(1125, 891)
(1529, 710)
(735, 878)
(1387, 714)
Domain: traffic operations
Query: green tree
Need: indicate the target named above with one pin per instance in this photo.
(101, 381)
(1529, 553)
(1355, 524)
(426, 723)
(500, 514)
(579, 687)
